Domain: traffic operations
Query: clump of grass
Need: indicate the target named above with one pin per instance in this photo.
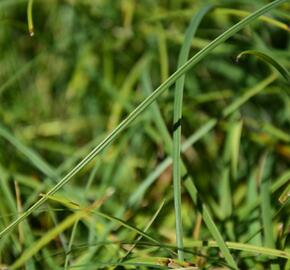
(91, 64)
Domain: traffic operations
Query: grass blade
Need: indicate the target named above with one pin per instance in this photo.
(243, 247)
(211, 225)
(265, 203)
(284, 197)
(72, 237)
(269, 60)
(163, 52)
(266, 207)
(30, 18)
(235, 140)
(177, 116)
(252, 196)
(145, 229)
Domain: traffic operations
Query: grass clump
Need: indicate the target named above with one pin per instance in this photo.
(82, 188)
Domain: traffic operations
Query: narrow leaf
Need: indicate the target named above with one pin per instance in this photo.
(178, 97)
(269, 60)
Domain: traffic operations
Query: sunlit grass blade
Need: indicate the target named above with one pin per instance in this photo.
(69, 204)
(280, 181)
(30, 18)
(226, 206)
(134, 114)
(284, 197)
(269, 60)
(235, 140)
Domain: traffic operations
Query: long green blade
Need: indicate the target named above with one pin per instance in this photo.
(178, 97)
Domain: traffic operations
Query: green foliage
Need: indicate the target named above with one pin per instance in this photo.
(193, 177)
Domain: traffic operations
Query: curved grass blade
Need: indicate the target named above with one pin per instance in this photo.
(269, 60)
(30, 18)
(176, 153)
(112, 136)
